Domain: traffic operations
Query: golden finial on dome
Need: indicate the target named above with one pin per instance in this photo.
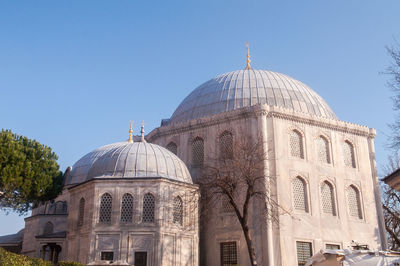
(142, 133)
(130, 140)
(248, 67)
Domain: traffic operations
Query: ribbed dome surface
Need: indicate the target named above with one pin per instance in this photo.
(245, 88)
(129, 160)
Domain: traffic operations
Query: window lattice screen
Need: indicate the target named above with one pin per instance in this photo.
(81, 211)
(172, 148)
(348, 154)
(226, 145)
(198, 152)
(300, 194)
(148, 208)
(296, 144)
(304, 251)
(105, 208)
(228, 253)
(48, 228)
(178, 211)
(328, 199)
(323, 150)
(127, 208)
(354, 202)
(226, 207)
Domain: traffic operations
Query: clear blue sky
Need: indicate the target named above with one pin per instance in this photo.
(74, 73)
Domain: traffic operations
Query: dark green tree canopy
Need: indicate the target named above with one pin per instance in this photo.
(29, 172)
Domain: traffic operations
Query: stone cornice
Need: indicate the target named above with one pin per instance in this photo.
(262, 110)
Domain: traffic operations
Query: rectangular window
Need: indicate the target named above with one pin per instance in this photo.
(228, 254)
(332, 246)
(304, 251)
(140, 258)
(107, 255)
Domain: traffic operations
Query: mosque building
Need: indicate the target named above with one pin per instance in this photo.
(137, 202)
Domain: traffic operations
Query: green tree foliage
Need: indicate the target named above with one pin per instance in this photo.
(11, 259)
(29, 172)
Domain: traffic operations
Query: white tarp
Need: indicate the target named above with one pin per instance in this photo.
(358, 257)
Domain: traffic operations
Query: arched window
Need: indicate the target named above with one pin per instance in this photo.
(105, 208)
(52, 208)
(328, 198)
(296, 144)
(198, 152)
(348, 154)
(226, 145)
(59, 207)
(354, 202)
(148, 208)
(65, 207)
(127, 208)
(323, 150)
(178, 211)
(172, 148)
(81, 211)
(48, 228)
(300, 200)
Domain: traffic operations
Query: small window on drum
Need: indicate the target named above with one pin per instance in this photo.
(172, 147)
(105, 208)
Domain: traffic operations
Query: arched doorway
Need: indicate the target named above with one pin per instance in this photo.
(50, 252)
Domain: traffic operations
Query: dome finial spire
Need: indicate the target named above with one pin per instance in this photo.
(130, 140)
(248, 67)
(142, 133)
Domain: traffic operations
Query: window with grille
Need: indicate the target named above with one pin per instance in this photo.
(328, 199)
(148, 208)
(304, 251)
(348, 155)
(178, 211)
(172, 148)
(107, 255)
(323, 150)
(81, 211)
(226, 145)
(228, 254)
(127, 208)
(48, 228)
(198, 152)
(105, 208)
(296, 144)
(332, 246)
(300, 201)
(354, 202)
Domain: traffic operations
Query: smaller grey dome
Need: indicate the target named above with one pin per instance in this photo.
(129, 160)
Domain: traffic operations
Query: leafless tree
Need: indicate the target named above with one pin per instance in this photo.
(391, 205)
(237, 175)
(394, 83)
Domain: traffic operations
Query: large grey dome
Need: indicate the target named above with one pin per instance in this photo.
(245, 88)
(129, 160)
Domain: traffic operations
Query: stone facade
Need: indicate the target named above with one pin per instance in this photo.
(276, 245)
(320, 170)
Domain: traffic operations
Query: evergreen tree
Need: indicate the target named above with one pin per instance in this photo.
(29, 173)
